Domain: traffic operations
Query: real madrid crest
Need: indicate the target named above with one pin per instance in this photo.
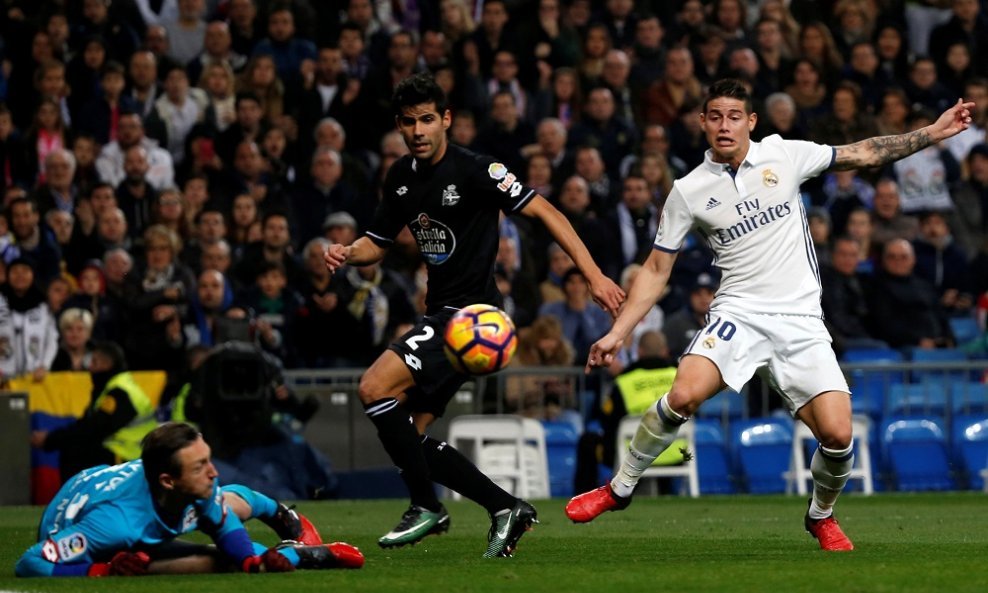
(769, 178)
(709, 343)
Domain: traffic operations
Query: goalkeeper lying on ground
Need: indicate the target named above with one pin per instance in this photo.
(122, 520)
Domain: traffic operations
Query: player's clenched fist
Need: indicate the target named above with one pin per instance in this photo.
(603, 351)
(336, 256)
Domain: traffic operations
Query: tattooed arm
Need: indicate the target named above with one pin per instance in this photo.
(881, 150)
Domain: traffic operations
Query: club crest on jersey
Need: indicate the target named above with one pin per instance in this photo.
(190, 520)
(450, 197)
(497, 170)
(769, 178)
(71, 547)
(709, 343)
(435, 240)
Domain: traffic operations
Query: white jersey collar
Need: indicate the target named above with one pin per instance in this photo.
(751, 159)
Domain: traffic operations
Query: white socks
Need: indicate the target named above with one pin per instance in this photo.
(830, 469)
(657, 430)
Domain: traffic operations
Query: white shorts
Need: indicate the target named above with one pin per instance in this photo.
(792, 352)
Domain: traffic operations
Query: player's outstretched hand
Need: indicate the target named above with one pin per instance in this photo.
(607, 294)
(129, 564)
(335, 256)
(603, 351)
(952, 121)
(269, 561)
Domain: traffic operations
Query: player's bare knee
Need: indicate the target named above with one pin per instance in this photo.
(837, 439)
(370, 390)
(682, 401)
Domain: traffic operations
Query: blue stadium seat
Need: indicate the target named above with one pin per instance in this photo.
(927, 399)
(915, 450)
(965, 329)
(725, 406)
(968, 397)
(762, 448)
(560, 445)
(869, 387)
(937, 355)
(970, 444)
(712, 461)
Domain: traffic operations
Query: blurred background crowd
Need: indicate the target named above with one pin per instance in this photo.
(172, 170)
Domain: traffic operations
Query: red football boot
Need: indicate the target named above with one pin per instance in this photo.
(828, 533)
(323, 556)
(585, 507)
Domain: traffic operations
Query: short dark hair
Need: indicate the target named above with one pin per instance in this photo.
(159, 447)
(418, 89)
(114, 352)
(731, 88)
(112, 67)
(246, 96)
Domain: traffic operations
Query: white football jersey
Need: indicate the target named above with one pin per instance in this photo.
(755, 224)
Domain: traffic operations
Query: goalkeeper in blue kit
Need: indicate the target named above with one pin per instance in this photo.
(122, 520)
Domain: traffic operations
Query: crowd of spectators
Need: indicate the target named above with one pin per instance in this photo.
(172, 170)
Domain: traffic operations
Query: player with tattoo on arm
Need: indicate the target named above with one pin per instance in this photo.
(766, 316)
(450, 199)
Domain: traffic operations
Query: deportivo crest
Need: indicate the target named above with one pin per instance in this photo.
(497, 170)
(71, 547)
(450, 197)
(769, 178)
(402, 190)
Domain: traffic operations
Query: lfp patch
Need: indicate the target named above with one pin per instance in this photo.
(497, 170)
(71, 547)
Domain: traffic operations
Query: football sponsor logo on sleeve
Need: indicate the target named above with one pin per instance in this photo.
(71, 547)
(49, 552)
(506, 183)
(497, 170)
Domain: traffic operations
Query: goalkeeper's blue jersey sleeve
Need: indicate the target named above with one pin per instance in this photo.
(106, 509)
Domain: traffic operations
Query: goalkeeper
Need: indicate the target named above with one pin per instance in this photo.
(121, 520)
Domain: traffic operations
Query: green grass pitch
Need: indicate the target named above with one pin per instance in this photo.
(928, 542)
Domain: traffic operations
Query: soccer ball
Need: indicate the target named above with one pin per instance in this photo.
(480, 339)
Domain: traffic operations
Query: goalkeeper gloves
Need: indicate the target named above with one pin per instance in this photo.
(269, 561)
(124, 564)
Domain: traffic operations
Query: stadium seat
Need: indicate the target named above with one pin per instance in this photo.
(938, 355)
(869, 387)
(964, 329)
(712, 462)
(916, 451)
(804, 444)
(510, 449)
(927, 399)
(762, 447)
(968, 397)
(560, 445)
(687, 470)
(726, 406)
(970, 443)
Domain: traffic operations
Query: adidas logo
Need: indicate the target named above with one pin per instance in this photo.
(712, 203)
